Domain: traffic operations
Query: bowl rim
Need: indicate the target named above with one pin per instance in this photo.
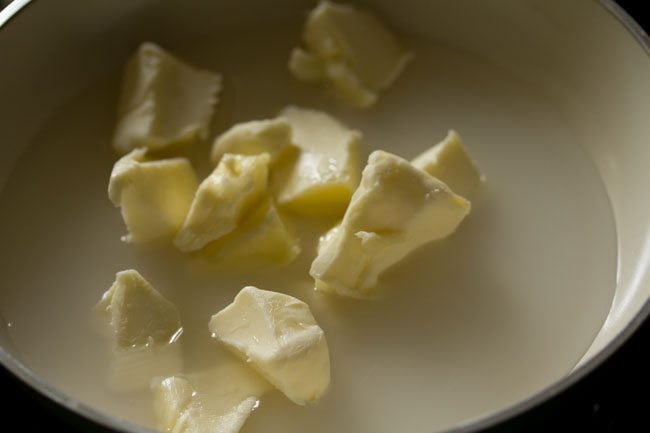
(44, 388)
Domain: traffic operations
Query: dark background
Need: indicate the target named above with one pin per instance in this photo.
(612, 399)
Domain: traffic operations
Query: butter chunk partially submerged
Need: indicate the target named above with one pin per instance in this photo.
(218, 400)
(327, 169)
(450, 162)
(396, 209)
(262, 238)
(272, 136)
(143, 327)
(279, 337)
(154, 195)
(222, 200)
(164, 101)
(138, 315)
(350, 50)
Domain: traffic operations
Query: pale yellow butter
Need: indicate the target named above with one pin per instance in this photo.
(155, 196)
(262, 238)
(350, 50)
(279, 337)
(327, 170)
(223, 199)
(306, 66)
(272, 136)
(396, 209)
(143, 327)
(171, 397)
(137, 314)
(450, 162)
(213, 401)
(164, 101)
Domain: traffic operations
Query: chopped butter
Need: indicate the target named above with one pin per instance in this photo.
(350, 50)
(450, 162)
(279, 337)
(262, 238)
(154, 195)
(213, 401)
(144, 328)
(327, 170)
(164, 101)
(396, 209)
(271, 136)
(223, 198)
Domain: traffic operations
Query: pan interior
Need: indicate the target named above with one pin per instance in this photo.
(503, 308)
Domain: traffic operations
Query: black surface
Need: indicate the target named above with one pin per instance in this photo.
(613, 399)
(639, 10)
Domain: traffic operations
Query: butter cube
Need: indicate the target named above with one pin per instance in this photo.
(279, 337)
(306, 66)
(171, 397)
(164, 101)
(327, 169)
(396, 209)
(450, 162)
(218, 400)
(144, 328)
(350, 50)
(137, 314)
(271, 136)
(262, 238)
(222, 199)
(154, 195)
